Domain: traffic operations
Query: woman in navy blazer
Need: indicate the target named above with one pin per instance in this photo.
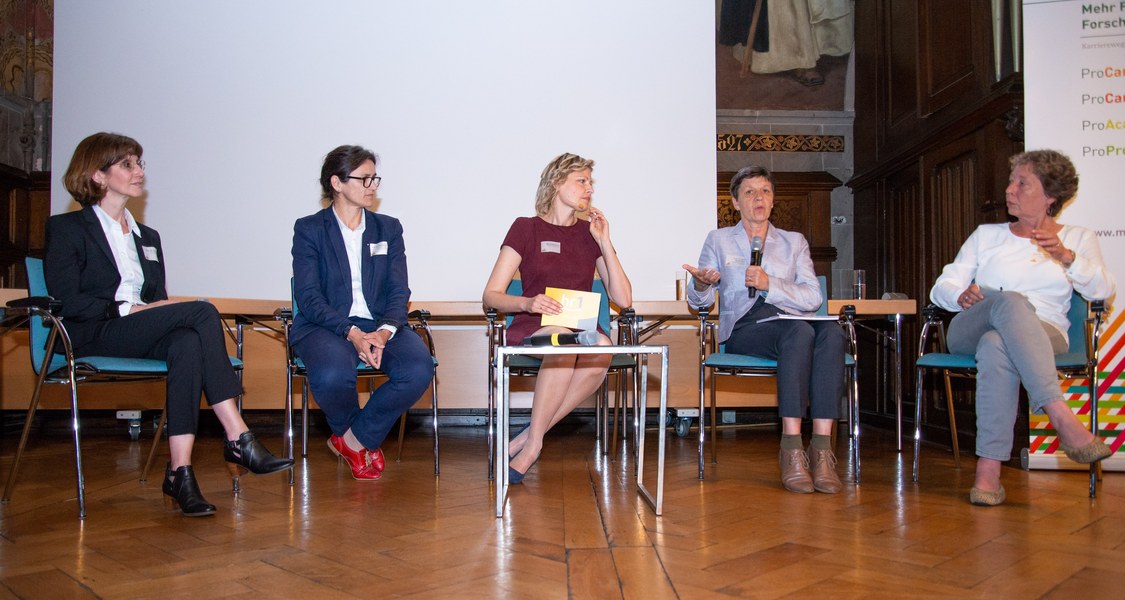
(350, 288)
(108, 271)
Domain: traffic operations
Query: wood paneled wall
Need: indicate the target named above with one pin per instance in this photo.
(25, 203)
(802, 203)
(933, 132)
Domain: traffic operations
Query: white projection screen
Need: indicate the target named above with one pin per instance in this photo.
(236, 104)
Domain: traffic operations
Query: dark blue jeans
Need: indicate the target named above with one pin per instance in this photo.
(331, 362)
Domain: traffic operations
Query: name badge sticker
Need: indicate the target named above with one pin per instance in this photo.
(546, 246)
(150, 253)
(377, 249)
(734, 260)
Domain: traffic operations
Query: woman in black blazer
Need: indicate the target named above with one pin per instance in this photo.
(108, 272)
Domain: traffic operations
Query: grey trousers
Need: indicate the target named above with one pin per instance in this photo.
(1011, 346)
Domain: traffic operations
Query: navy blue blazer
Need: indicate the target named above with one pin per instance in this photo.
(322, 279)
(81, 272)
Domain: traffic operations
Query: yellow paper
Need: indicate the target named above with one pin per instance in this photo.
(580, 309)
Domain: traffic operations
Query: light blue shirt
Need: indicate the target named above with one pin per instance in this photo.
(794, 287)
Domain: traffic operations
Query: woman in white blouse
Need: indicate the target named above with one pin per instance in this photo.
(1011, 284)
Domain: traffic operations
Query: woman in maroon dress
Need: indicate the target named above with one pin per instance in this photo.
(555, 249)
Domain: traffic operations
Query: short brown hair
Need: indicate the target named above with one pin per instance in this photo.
(749, 172)
(97, 152)
(1055, 172)
(554, 174)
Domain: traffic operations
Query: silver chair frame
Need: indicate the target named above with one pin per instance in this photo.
(1089, 370)
(709, 344)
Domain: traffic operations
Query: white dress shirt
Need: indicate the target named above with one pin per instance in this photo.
(353, 243)
(124, 247)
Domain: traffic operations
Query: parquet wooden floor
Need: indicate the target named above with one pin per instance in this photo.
(576, 528)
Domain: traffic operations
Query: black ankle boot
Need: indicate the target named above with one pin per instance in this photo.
(180, 489)
(248, 454)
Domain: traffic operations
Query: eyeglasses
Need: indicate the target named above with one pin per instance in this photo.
(129, 164)
(368, 180)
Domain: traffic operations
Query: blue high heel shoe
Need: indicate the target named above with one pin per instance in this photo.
(515, 476)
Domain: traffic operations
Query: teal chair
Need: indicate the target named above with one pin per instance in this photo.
(1080, 361)
(45, 327)
(295, 367)
(623, 366)
(714, 358)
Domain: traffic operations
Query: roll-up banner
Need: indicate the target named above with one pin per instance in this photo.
(1074, 88)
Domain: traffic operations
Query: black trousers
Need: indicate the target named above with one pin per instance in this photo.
(189, 337)
(809, 355)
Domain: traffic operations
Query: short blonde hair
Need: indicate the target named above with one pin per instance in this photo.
(554, 175)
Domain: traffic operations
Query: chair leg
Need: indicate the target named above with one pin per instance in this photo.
(1092, 378)
(434, 400)
(617, 417)
(623, 389)
(305, 418)
(714, 423)
(235, 487)
(77, 444)
(853, 391)
(621, 401)
(601, 416)
(31, 408)
(156, 443)
(702, 427)
(287, 431)
(612, 429)
(401, 434)
(952, 421)
(917, 417)
(491, 435)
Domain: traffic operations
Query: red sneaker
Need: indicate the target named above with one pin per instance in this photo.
(360, 461)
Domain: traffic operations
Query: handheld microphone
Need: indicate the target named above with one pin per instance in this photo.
(582, 338)
(755, 258)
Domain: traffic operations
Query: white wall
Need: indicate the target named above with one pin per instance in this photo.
(236, 104)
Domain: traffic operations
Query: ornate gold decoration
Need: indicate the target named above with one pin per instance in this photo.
(766, 142)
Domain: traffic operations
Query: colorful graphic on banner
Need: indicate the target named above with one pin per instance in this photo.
(1074, 90)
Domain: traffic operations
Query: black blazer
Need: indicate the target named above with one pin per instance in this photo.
(82, 274)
